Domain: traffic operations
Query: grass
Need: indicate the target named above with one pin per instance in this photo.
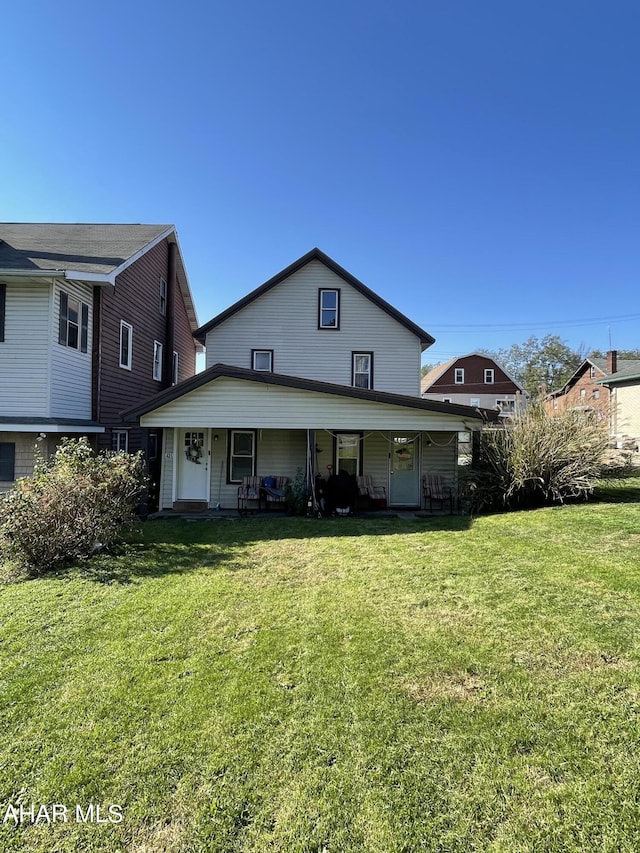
(335, 685)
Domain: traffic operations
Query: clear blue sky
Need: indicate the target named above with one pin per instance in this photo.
(476, 164)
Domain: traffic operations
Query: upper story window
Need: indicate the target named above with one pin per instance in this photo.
(262, 359)
(3, 299)
(459, 376)
(362, 369)
(175, 368)
(489, 376)
(329, 309)
(592, 372)
(157, 360)
(163, 296)
(126, 344)
(73, 324)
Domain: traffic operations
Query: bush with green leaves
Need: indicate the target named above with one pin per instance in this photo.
(74, 504)
(536, 459)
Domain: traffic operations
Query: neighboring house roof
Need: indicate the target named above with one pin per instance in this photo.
(84, 251)
(624, 364)
(440, 369)
(281, 379)
(316, 255)
(630, 370)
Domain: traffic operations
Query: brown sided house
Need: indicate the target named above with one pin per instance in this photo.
(584, 389)
(474, 380)
(93, 318)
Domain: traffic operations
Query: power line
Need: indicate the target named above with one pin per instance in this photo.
(535, 325)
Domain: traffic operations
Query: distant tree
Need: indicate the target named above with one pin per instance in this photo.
(540, 364)
(425, 369)
(622, 353)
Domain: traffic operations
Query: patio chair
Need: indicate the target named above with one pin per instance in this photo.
(376, 495)
(249, 491)
(435, 488)
(273, 490)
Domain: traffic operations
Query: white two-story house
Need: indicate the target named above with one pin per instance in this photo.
(310, 369)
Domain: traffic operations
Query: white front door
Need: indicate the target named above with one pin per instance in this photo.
(404, 470)
(193, 465)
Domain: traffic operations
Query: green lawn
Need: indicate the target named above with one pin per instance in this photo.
(334, 685)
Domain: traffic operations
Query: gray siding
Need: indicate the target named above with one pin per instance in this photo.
(285, 320)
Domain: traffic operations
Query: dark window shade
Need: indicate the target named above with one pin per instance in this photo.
(3, 297)
(62, 323)
(84, 331)
(7, 461)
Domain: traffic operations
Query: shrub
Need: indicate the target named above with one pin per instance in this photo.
(75, 504)
(537, 459)
(297, 494)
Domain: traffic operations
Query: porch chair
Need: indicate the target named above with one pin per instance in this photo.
(248, 491)
(273, 490)
(377, 495)
(435, 488)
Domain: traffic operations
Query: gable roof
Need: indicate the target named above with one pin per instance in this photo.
(284, 380)
(316, 255)
(89, 252)
(440, 369)
(624, 366)
(630, 370)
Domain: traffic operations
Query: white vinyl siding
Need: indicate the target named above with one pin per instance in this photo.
(241, 404)
(25, 352)
(285, 319)
(71, 368)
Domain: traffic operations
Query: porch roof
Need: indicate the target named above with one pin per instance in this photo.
(233, 396)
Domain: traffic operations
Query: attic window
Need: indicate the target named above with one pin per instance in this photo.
(163, 296)
(592, 372)
(459, 376)
(329, 309)
(489, 375)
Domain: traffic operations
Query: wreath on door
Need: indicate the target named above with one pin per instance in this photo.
(194, 453)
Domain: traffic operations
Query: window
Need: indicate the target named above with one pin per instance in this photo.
(592, 372)
(175, 368)
(446, 399)
(73, 324)
(163, 296)
(242, 454)
(3, 298)
(362, 369)
(262, 359)
(489, 374)
(329, 309)
(120, 440)
(7, 461)
(583, 393)
(348, 455)
(507, 407)
(555, 402)
(126, 344)
(157, 361)
(459, 376)
(474, 401)
(596, 394)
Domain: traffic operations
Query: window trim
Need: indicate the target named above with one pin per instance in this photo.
(230, 455)
(254, 353)
(175, 367)
(158, 355)
(322, 327)
(460, 371)
(116, 440)
(129, 365)
(354, 355)
(336, 441)
(492, 372)
(82, 322)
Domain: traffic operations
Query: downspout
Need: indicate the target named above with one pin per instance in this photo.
(170, 320)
